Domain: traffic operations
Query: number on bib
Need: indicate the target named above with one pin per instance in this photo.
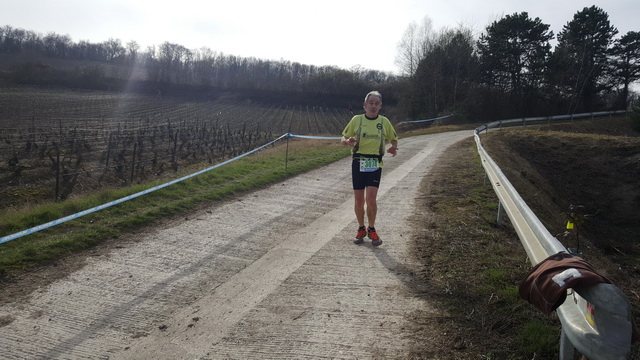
(369, 165)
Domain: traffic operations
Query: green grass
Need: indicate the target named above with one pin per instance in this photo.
(476, 267)
(249, 173)
(537, 337)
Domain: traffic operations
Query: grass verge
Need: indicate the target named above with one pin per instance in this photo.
(472, 269)
(50, 245)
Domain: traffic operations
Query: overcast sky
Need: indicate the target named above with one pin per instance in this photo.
(343, 33)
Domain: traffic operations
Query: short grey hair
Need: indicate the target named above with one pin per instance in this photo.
(373, 93)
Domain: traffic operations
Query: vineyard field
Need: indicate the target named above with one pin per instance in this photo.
(57, 143)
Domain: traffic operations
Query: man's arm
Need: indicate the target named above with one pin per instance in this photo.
(393, 149)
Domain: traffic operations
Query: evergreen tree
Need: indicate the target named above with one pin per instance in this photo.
(513, 56)
(514, 52)
(626, 63)
(580, 62)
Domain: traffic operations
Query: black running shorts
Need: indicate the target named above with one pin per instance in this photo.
(363, 179)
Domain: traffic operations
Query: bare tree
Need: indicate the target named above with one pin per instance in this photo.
(413, 46)
(114, 49)
(445, 72)
(57, 45)
(132, 49)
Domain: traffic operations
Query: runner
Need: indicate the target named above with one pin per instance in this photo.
(367, 135)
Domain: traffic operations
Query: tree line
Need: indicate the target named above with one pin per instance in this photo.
(511, 70)
(174, 64)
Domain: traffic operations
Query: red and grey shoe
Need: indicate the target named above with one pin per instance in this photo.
(373, 235)
(362, 233)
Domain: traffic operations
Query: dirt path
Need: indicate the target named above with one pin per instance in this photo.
(272, 274)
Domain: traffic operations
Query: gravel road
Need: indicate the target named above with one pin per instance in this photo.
(272, 274)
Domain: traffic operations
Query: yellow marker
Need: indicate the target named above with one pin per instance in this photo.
(569, 225)
(589, 315)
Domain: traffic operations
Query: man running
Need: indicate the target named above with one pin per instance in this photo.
(367, 135)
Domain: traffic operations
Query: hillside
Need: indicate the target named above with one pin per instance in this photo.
(472, 269)
(594, 165)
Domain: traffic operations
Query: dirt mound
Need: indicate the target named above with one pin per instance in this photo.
(596, 173)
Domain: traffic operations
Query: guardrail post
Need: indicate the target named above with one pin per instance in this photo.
(500, 214)
(566, 348)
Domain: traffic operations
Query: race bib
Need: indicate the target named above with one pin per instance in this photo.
(369, 164)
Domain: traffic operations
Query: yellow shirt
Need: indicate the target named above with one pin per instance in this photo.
(370, 133)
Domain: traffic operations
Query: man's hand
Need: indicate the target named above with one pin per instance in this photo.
(349, 141)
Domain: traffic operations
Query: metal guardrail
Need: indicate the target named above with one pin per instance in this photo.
(548, 119)
(597, 322)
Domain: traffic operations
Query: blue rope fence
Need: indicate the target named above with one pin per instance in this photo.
(421, 121)
(314, 137)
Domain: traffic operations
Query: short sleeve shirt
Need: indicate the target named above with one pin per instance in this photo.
(370, 134)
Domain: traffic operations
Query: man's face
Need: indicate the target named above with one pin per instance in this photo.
(372, 106)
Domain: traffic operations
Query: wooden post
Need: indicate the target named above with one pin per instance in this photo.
(286, 159)
(133, 161)
(57, 192)
(108, 152)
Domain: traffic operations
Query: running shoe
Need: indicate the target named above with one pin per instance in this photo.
(373, 235)
(362, 233)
